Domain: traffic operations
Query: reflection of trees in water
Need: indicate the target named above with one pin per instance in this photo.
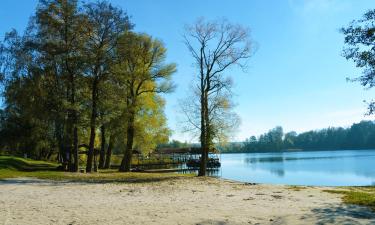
(279, 172)
(276, 169)
(209, 172)
(264, 159)
(281, 159)
(345, 166)
(213, 172)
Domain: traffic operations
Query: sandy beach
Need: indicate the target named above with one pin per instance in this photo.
(175, 201)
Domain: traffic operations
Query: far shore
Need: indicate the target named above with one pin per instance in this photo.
(296, 150)
(179, 200)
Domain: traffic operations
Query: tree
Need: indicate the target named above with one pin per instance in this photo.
(27, 90)
(360, 48)
(215, 46)
(77, 71)
(106, 24)
(289, 139)
(60, 29)
(141, 70)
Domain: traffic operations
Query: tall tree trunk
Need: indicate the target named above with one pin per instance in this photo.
(68, 134)
(91, 153)
(75, 149)
(203, 163)
(60, 143)
(74, 124)
(69, 150)
(202, 168)
(127, 159)
(208, 141)
(109, 152)
(73, 130)
(102, 148)
(50, 152)
(204, 142)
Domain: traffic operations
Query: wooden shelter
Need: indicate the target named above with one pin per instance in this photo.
(189, 155)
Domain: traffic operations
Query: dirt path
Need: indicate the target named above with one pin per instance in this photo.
(178, 201)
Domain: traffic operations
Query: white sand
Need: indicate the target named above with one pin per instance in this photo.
(178, 201)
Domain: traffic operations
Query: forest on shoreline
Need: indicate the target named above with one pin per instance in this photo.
(359, 136)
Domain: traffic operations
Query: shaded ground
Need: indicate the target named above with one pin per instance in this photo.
(13, 167)
(172, 201)
(20, 164)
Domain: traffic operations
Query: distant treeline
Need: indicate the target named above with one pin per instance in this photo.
(358, 136)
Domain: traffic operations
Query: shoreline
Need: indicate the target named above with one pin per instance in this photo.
(299, 150)
(181, 200)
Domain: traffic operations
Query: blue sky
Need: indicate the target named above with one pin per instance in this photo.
(296, 78)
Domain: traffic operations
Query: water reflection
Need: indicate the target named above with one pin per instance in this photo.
(332, 168)
(281, 159)
(209, 172)
(278, 172)
(262, 160)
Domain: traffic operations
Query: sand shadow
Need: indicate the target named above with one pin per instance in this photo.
(344, 214)
(39, 181)
(340, 214)
(215, 222)
(30, 180)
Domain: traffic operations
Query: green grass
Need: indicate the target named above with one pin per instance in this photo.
(363, 196)
(21, 164)
(12, 167)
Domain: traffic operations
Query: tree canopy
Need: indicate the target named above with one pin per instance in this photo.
(78, 71)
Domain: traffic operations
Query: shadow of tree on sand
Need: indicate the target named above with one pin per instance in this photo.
(85, 180)
(332, 214)
(344, 214)
(215, 222)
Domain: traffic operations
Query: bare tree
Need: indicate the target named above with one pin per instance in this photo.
(215, 46)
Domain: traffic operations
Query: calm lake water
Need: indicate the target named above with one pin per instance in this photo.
(327, 168)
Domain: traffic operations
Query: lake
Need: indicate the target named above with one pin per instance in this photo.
(327, 168)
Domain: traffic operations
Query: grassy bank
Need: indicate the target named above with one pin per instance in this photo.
(363, 196)
(12, 167)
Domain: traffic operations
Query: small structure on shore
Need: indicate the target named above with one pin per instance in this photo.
(190, 156)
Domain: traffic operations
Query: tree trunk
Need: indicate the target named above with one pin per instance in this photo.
(203, 82)
(90, 154)
(208, 141)
(75, 149)
(109, 152)
(127, 159)
(74, 123)
(102, 148)
(204, 151)
(203, 165)
(58, 135)
(69, 152)
(50, 152)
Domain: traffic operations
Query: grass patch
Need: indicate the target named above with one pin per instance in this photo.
(12, 167)
(296, 188)
(363, 196)
(21, 164)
